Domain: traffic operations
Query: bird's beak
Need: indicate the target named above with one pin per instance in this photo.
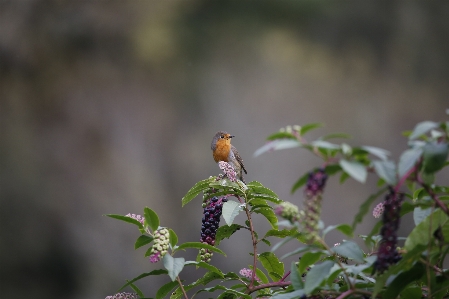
(231, 136)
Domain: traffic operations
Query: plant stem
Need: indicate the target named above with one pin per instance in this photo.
(253, 237)
(182, 287)
(404, 178)
(270, 285)
(432, 194)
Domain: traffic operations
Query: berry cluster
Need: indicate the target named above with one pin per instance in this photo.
(316, 182)
(210, 223)
(136, 217)
(288, 211)
(160, 246)
(228, 170)
(248, 273)
(123, 296)
(139, 218)
(378, 210)
(387, 254)
(312, 205)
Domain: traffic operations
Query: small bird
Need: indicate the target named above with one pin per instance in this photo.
(222, 150)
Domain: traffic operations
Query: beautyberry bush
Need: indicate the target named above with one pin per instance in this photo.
(389, 266)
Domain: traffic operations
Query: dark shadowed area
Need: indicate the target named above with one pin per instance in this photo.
(110, 106)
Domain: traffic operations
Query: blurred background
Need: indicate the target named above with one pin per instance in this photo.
(110, 106)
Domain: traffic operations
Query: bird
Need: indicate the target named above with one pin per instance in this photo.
(222, 150)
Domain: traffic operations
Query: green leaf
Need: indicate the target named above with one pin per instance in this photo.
(269, 214)
(402, 280)
(151, 218)
(420, 214)
(173, 238)
(413, 292)
(386, 170)
(308, 127)
(137, 290)
(293, 295)
(272, 264)
(300, 182)
(208, 277)
(226, 231)
(198, 245)
(365, 207)
(165, 289)
(316, 276)
(280, 233)
(422, 128)
(308, 259)
(350, 250)
(355, 169)
(227, 291)
(261, 275)
(173, 265)
(265, 198)
(266, 242)
(277, 144)
(205, 266)
(143, 240)
(154, 272)
(230, 210)
(281, 135)
(295, 277)
(344, 228)
(408, 159)
(423, 232)
(435, 155)
(258, 188)
(336, 135)
(378, 152)
(196, 189)
(441, 287)
(126, 219)
(324, 144)
(332, 169)
(418, 194)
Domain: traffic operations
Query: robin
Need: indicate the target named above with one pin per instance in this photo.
(222, 150)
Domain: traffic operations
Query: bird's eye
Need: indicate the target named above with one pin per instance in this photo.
(222, 136)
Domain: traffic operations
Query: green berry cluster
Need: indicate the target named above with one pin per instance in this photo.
(160, 246)
(288, 211)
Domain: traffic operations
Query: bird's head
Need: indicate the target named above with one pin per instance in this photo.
(221, 137)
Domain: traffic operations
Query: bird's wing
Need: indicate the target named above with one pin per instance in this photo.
(239, 159)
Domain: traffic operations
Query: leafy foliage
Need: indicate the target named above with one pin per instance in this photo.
(343, 270)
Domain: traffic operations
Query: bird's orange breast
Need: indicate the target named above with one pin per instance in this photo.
(222, 149)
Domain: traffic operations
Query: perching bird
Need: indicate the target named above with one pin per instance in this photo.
(222, 150)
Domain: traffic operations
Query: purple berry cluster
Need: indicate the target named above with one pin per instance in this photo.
(316, 182)
(210, 223)
(378, 210)
(228, 170)
(136, 217)
(248, 273)
(312, 205)
(123, 296)
(387, 254)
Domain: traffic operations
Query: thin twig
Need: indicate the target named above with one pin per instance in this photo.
(182, 287)
(270, 285)
(432, 194)
(253, 237)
